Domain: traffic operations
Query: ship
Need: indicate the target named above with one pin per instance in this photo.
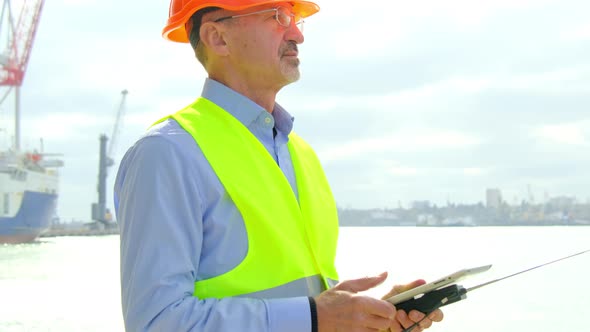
(29, 186)
(29, 179)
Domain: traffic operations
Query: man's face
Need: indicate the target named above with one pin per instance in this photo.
(264, 50)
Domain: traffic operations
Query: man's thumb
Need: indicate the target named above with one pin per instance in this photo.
(361, 284)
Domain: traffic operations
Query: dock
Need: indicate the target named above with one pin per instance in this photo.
(79, 232)
(86, 229)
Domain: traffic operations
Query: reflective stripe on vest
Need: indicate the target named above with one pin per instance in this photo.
(309, 286)
(287, 241)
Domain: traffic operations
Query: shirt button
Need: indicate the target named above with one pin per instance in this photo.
(267, 120)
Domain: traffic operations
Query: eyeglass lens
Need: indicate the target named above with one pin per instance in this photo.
(284, 17)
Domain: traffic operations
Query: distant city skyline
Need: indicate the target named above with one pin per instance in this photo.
(516, 200)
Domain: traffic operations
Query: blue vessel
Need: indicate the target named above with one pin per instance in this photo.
(33, 217)
(28, 180)
(28, 195)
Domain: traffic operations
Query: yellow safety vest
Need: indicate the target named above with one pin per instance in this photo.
(287, 240)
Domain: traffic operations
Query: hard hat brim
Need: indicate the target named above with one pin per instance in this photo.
(175, 30)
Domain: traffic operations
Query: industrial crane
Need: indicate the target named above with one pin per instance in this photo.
(21, 30)
(99, 210)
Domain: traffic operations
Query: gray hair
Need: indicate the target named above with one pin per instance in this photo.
(194, 34)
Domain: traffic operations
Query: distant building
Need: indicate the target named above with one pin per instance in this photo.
(427, 220)
(420, 205)
(493, 198)
(562, 202)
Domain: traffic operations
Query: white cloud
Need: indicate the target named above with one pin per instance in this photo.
(145, 115)
(79, 2)
(577, 33)
(403, 171)
(419, 139)
(568, 133)
(64, 127)
(475, 171)
(422, 97)
(565, 79)
(472, 13)
(392, 26)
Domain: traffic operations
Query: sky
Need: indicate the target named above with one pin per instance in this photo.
(402, 100)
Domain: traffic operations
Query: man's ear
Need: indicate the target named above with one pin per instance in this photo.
(214, 37)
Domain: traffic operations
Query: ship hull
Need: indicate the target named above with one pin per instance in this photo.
(33, 218)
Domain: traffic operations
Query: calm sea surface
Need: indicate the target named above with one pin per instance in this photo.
(72, 283)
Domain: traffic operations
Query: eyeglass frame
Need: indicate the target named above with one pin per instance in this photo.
(291, 16)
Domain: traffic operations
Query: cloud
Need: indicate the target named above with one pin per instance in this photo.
(404, 171)
(569, 133)
(412, 140)
(79, 2)
(63, 127)
(580, 32)
(568, 79)
(474, 171)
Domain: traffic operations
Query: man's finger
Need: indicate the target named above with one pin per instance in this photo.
(418, 317)
(436, 316)
(378, 308)
(395, 326)
(404, 320)
(397, 289)
(376, 322)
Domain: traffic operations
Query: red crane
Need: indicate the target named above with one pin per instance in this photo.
(19, 31)
(21, 34)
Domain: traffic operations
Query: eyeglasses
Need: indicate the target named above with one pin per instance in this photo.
(282, 14)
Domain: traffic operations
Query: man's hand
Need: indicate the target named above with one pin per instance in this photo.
(341, 309)
(404, 320)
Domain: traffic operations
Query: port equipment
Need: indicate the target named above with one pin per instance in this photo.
(19, 21)
(105, 160)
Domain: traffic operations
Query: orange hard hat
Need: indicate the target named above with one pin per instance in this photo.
(182, 10)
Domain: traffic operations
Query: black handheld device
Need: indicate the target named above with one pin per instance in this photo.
(434, 299)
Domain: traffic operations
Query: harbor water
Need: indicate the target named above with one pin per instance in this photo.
(71, 284)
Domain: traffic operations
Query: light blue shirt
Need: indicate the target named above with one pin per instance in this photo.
(178, 225)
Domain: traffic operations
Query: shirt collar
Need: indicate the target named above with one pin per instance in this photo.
(242, 108)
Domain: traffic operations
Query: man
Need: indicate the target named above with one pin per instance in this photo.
(227, 221)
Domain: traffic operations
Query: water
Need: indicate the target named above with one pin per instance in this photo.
(61, 284)
(72, 283)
